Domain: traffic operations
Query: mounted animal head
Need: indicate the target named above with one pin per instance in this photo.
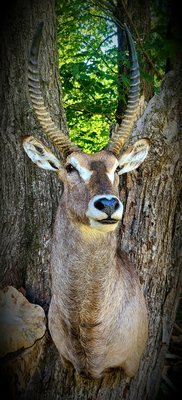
(91, 180)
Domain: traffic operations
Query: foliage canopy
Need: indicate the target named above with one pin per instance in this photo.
(88, 62)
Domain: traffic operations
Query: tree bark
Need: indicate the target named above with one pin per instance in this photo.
(29, 196)
(150, 230)
(150, 233)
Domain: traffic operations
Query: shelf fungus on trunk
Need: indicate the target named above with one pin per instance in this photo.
(22, 334)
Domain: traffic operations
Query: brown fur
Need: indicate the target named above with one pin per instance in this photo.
(97, 317)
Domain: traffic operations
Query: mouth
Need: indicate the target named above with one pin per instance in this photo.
(108, 221)
(104, 225)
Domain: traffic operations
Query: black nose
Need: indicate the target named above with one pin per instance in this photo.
(109, 206)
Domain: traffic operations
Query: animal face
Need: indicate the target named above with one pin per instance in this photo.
(90, 180)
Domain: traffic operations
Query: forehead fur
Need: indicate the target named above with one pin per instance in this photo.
(103, 159)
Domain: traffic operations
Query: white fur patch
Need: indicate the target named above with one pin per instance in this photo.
(102, 227)
(112, 172)
(97, 215)
(134, 156)
(40, 154)
(85, 173)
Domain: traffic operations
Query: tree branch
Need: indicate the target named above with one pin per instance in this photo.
(139, 42)
(103, 59)
(105, 40)
(101, 16)
(79, 109)
(105, 5)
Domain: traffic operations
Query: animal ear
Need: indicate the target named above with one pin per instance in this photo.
(40, 154)
(134, 156)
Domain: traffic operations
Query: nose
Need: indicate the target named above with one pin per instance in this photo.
(109, 206)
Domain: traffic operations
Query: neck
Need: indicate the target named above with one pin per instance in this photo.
(97, 250)
(86, 246)
(84, 269)
(83, 252)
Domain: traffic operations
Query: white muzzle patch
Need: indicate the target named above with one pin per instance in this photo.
(98, 218)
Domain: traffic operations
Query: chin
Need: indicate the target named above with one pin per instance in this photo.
(103, 227)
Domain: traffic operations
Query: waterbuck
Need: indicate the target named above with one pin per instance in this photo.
(97, 316)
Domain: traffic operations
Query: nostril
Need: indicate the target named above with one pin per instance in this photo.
(99, 205)
(116, 205)
(109, 206)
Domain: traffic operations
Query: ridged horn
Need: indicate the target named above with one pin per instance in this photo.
(59, 138)
(123, 131)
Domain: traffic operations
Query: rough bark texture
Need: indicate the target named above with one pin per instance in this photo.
(150, 234)
(149, 231)
(29, 196)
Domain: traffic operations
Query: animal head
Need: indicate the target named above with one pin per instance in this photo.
(91, 180)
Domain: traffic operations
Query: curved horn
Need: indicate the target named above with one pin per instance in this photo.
(60, 139)
(122, 132)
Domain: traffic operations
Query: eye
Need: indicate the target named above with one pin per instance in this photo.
(117, 169)
(70, 168)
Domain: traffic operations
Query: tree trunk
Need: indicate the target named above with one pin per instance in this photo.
(28, 202)
(149, 231)
(150, 235)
